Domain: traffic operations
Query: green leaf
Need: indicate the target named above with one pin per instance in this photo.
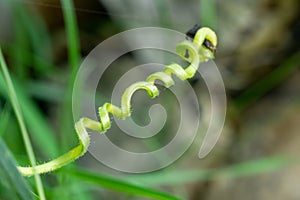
(4, 116)
(16, 107)
(180, 177)
(40, 129)
(11, 175)
(261, 87)
(66, 128)
(118, 185)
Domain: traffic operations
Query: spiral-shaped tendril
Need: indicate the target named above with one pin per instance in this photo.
(200, 49)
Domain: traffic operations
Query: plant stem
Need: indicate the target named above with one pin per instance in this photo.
(74, 58)
(197, 54)
(17, 110)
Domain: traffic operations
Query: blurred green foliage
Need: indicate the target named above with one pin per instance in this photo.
(44, 84)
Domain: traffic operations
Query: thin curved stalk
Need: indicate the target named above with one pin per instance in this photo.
(200, 49)
(15, 104)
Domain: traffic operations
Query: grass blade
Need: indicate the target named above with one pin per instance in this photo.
(4, 116)
(118, 185)
(264, 85)
(43, 135)
(15, 104)
(72, 35)
(66, 120)
(180, 177)
(11, 174)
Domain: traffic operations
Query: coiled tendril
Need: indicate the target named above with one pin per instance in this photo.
(199, 49)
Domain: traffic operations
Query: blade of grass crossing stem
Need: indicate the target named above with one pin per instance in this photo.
(41, 131)
(11, 175)
(73, 50)
(119, 185)
(264, 85)
(74, 58)
(17, 110)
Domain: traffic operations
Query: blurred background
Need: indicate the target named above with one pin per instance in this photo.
(258, 55)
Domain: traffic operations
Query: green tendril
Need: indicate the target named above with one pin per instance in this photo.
(193, 52)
